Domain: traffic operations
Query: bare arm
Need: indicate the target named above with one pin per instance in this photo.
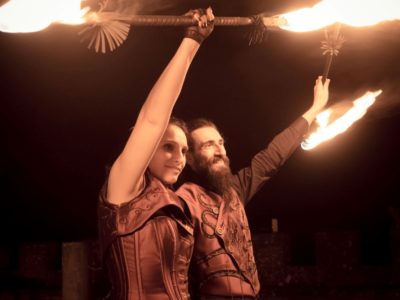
(321, 95)
(127, 173)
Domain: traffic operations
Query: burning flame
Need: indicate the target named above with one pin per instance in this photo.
(349, 12)
(327, 131)
(35, 15)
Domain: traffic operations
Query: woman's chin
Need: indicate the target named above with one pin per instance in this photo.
(170, 180)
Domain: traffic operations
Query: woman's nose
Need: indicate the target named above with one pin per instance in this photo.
(178, 156)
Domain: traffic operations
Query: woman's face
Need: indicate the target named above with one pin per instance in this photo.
(170, 156)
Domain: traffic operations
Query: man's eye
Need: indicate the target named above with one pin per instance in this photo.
(208, 145)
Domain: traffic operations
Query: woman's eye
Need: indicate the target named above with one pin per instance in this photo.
(168, 147)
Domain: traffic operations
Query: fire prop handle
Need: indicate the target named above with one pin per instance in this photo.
(108, 30)
(166, 20)
(333, 42)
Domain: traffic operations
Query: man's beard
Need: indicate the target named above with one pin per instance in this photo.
(218, 181)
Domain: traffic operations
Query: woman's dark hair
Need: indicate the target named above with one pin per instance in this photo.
(181, 124)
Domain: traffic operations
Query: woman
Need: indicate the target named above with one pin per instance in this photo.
(146, 238)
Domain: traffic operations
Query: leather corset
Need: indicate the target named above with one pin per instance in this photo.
(147, 244)
(223, 262)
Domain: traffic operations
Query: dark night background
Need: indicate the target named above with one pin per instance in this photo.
(66, 112)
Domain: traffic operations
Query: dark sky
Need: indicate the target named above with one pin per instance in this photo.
(66, 112)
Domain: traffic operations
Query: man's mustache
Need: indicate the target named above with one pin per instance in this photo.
(216, 159)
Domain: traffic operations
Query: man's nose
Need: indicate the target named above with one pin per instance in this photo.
(220, 149)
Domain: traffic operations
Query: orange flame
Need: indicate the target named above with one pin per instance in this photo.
(35, 15)
(348, 12)
(327, 131)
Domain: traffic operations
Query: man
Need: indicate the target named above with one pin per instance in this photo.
(223, 265)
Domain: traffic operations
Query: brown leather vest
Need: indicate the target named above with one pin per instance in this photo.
(223, 261)
(147, 244)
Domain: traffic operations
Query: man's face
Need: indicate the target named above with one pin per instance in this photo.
(209, 151)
